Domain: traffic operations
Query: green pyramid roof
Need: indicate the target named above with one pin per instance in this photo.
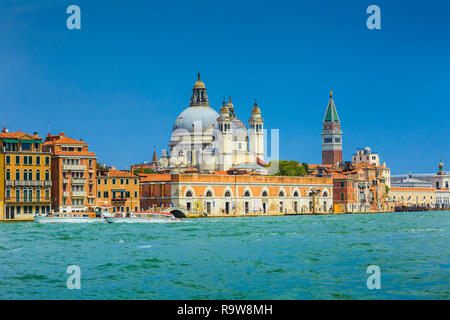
(331, 114)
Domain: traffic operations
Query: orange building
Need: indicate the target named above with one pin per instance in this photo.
(24, 176)
(117, 189)
(73, 173)
(226, 194)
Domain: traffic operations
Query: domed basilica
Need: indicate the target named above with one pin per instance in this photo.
(209, 141)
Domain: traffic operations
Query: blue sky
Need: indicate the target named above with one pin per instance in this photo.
(120, 82)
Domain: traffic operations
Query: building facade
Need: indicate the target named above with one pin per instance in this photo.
(331, 136)
(25, 179)
(117, 189)
(73, 173)
(366, 156)
(225, 195)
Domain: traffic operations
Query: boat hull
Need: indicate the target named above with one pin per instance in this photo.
(141, 220)
(40, 219)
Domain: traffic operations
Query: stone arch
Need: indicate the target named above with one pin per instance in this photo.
(325, 193)
(189, 191)
(296, 193)
(227, 193)
(247, 193)
(281, 193)
(264, 193)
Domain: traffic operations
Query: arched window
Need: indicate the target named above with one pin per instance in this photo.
(25, 174)
(38, 174)
(247, 194)
(189, 194)
(208, 194)
(17, 174)
(228, 194)
(325, 194)
(30, 174)
(8, 174)
(264, 194)
(47, 175)
(342, 196)
(281, 193)
(295, 193)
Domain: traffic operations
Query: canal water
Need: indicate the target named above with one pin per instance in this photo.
(293, 257)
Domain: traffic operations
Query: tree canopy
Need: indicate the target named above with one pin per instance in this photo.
(289, 168)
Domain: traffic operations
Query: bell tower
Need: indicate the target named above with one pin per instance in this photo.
(256, 132)
(331, 136)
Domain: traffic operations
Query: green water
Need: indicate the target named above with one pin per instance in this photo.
(296, 257)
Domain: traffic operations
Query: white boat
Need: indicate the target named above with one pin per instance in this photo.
(69, 217)
(143, 217)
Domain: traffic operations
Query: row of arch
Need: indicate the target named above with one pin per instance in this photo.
(27, 174)
(247, 193)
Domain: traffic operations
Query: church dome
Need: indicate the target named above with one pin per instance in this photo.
(204, 116)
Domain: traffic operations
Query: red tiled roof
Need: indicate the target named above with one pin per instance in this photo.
(412, 189)
(62, 139)
(120, 173)
(18, 135)
(73, 153)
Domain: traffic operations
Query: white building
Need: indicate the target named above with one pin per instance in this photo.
(366, 156)
(208, 141)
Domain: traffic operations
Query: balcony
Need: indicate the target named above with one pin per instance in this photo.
(78, 181)
(78, 193)
(9, 182)
(35, 183)
(65, 180)
(65, 193)
(74, 167)
(48, 183)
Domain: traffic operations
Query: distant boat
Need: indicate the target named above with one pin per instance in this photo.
(143, 217)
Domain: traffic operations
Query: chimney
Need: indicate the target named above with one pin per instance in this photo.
(384, 164)
(81, 140)
(62, 134)
(4, 130)
(35, 133)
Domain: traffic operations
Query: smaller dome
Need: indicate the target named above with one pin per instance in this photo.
(367, 150)
(441, 165)
(199, 85)
(224, 110)
(256, 109)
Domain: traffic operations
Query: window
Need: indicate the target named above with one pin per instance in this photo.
(342, 196)
(47, 161)
(26, 146)
(99, 194)
(135, 181)
(127, 181)
(135, 194)
(17, 194)
(38, 195)
(47, 175)
(105, 194)
(188, 194)
(17, 174)
(47, 194)
(30, 174)
(247, 194)
(127, 194)
(17, 159)
(327, 140)
(264, 194)
(113, 181)
(38, 174)
(281, 193)
(8, 159)
(25, 174)
(8, 174)
(99, 181)
(227, 194)
(342, 184)
(38, 160)
(295, 194)
(208, 194)
(121, 181)
(337, 140)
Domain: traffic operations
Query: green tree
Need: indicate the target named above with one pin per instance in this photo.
(290, 168)
(143, 171)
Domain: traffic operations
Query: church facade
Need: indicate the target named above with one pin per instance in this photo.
(208, 141)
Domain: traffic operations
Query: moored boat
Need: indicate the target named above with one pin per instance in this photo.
(143, 217)
(70, 217)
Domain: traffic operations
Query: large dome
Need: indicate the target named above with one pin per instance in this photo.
(204, 116)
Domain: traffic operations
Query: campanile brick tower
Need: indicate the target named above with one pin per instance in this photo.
(331, 136)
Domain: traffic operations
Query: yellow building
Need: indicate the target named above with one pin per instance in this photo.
(25, 179)
(412, 196)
